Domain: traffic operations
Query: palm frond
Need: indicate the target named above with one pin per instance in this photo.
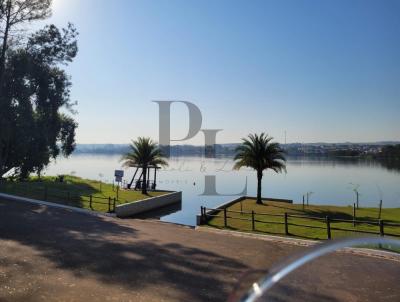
(143, 152)
(260, 153)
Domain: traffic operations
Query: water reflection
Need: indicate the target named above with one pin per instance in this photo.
(328, 178)
(389, 164)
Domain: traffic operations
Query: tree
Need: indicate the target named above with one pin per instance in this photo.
(34, 89)
(259, 153)
(144, 153)
(391, 151)
(16, 12)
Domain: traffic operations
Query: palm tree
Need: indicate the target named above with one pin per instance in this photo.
(259, 153)
(144, 153)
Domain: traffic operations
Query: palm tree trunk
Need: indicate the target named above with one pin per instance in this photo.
(144, 184)
(259, 178)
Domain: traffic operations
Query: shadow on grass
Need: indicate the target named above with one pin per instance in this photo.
(90, 246)
(282, 207)
(331, 214)
(71, 191)
(344, 216)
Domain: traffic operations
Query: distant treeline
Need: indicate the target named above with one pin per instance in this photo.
(101, 149)
(296, 149)
(390, 152)
(348, 152)
(181, 150)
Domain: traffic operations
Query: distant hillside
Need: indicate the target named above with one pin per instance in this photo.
(101, 149)
(180, 150)
(295, 149)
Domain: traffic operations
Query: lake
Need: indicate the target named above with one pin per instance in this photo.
(331, 180)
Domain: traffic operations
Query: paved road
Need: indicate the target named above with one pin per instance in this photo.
(49, 254)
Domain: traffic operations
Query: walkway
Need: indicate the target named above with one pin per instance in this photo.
(49, 254)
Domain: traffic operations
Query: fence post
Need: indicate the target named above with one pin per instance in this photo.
(286, 224)
(90, 202)
(303, 202)
(381, 228)
(225, 218)
(380, 209)
(328, 227)
(114, 204)
(45, 193)
(253, 223)
(109, 204)
(204, 215)
(354, 214)
(357, 198)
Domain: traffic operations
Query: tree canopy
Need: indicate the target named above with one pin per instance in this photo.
(144, 153)
(391, 151)
(260, 153)
(36, 110)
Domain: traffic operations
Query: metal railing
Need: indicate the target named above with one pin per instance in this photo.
(207, 213)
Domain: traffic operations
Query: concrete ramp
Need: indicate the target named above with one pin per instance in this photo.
(141, 206)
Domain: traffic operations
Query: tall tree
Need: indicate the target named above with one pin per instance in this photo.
(33, 90)
(260, 153)
(14, 13)
(144, 153)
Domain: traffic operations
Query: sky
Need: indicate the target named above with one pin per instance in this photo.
(323, 71)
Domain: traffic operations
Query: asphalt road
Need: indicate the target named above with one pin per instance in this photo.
(49, 254)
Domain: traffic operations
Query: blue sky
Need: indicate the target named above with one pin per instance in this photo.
(321, 70)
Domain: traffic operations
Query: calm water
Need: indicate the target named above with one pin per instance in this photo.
(328, 179)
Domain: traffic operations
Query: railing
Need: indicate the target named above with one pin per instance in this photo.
(207, 213)
(137, 184)
(62, 196)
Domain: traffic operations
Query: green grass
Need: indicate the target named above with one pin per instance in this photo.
(73, 191)
(319, 232)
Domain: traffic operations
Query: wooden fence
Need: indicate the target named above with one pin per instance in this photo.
(63, 196)
(207, 213)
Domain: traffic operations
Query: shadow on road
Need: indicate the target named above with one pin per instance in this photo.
(113, 253)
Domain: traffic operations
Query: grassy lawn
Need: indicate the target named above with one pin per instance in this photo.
(73, 191)
(319, 232)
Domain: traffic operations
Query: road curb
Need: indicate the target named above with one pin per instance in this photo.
(386, 255)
